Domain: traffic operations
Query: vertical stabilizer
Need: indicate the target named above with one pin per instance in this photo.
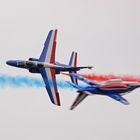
(73, 63)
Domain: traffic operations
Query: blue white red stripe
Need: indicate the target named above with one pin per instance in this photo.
(50, 55)
(53, 87)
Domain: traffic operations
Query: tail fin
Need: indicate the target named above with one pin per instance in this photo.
(73, 59)
(73, 63)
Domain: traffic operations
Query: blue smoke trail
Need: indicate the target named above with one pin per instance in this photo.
(25, 81)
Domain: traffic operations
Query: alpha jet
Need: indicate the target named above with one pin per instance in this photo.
(47, 66)
(114, 88)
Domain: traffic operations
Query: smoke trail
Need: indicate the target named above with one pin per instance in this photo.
(102, 77)
(25, 81)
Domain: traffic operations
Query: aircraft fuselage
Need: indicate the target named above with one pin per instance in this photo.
(34, 65)
(31, 64)
(113, 90)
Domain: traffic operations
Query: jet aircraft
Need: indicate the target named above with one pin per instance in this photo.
(114, 88)
(47, 66)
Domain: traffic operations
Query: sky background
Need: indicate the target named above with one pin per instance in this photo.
(105, 33)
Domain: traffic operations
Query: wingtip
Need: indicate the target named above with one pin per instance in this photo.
(72, 107)
(54, 30)
(57, 104)
(125, 102)
(90, 67)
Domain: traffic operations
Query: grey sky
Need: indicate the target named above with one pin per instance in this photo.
(105, 33)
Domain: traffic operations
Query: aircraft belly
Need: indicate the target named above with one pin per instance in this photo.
(116, 92)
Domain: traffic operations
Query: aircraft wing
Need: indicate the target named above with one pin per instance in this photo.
(119, 98)
(81, 78)
(48, 53)
(49, 78)
(81, 96)
(48, 74)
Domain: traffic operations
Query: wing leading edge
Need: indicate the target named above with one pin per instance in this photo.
(49, 78)
(48, 53)
(48, 74)
(119, 98)
(81, 96)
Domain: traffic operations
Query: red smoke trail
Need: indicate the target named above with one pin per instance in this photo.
(102, 77)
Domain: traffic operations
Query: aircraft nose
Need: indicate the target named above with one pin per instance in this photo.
(11, 63)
